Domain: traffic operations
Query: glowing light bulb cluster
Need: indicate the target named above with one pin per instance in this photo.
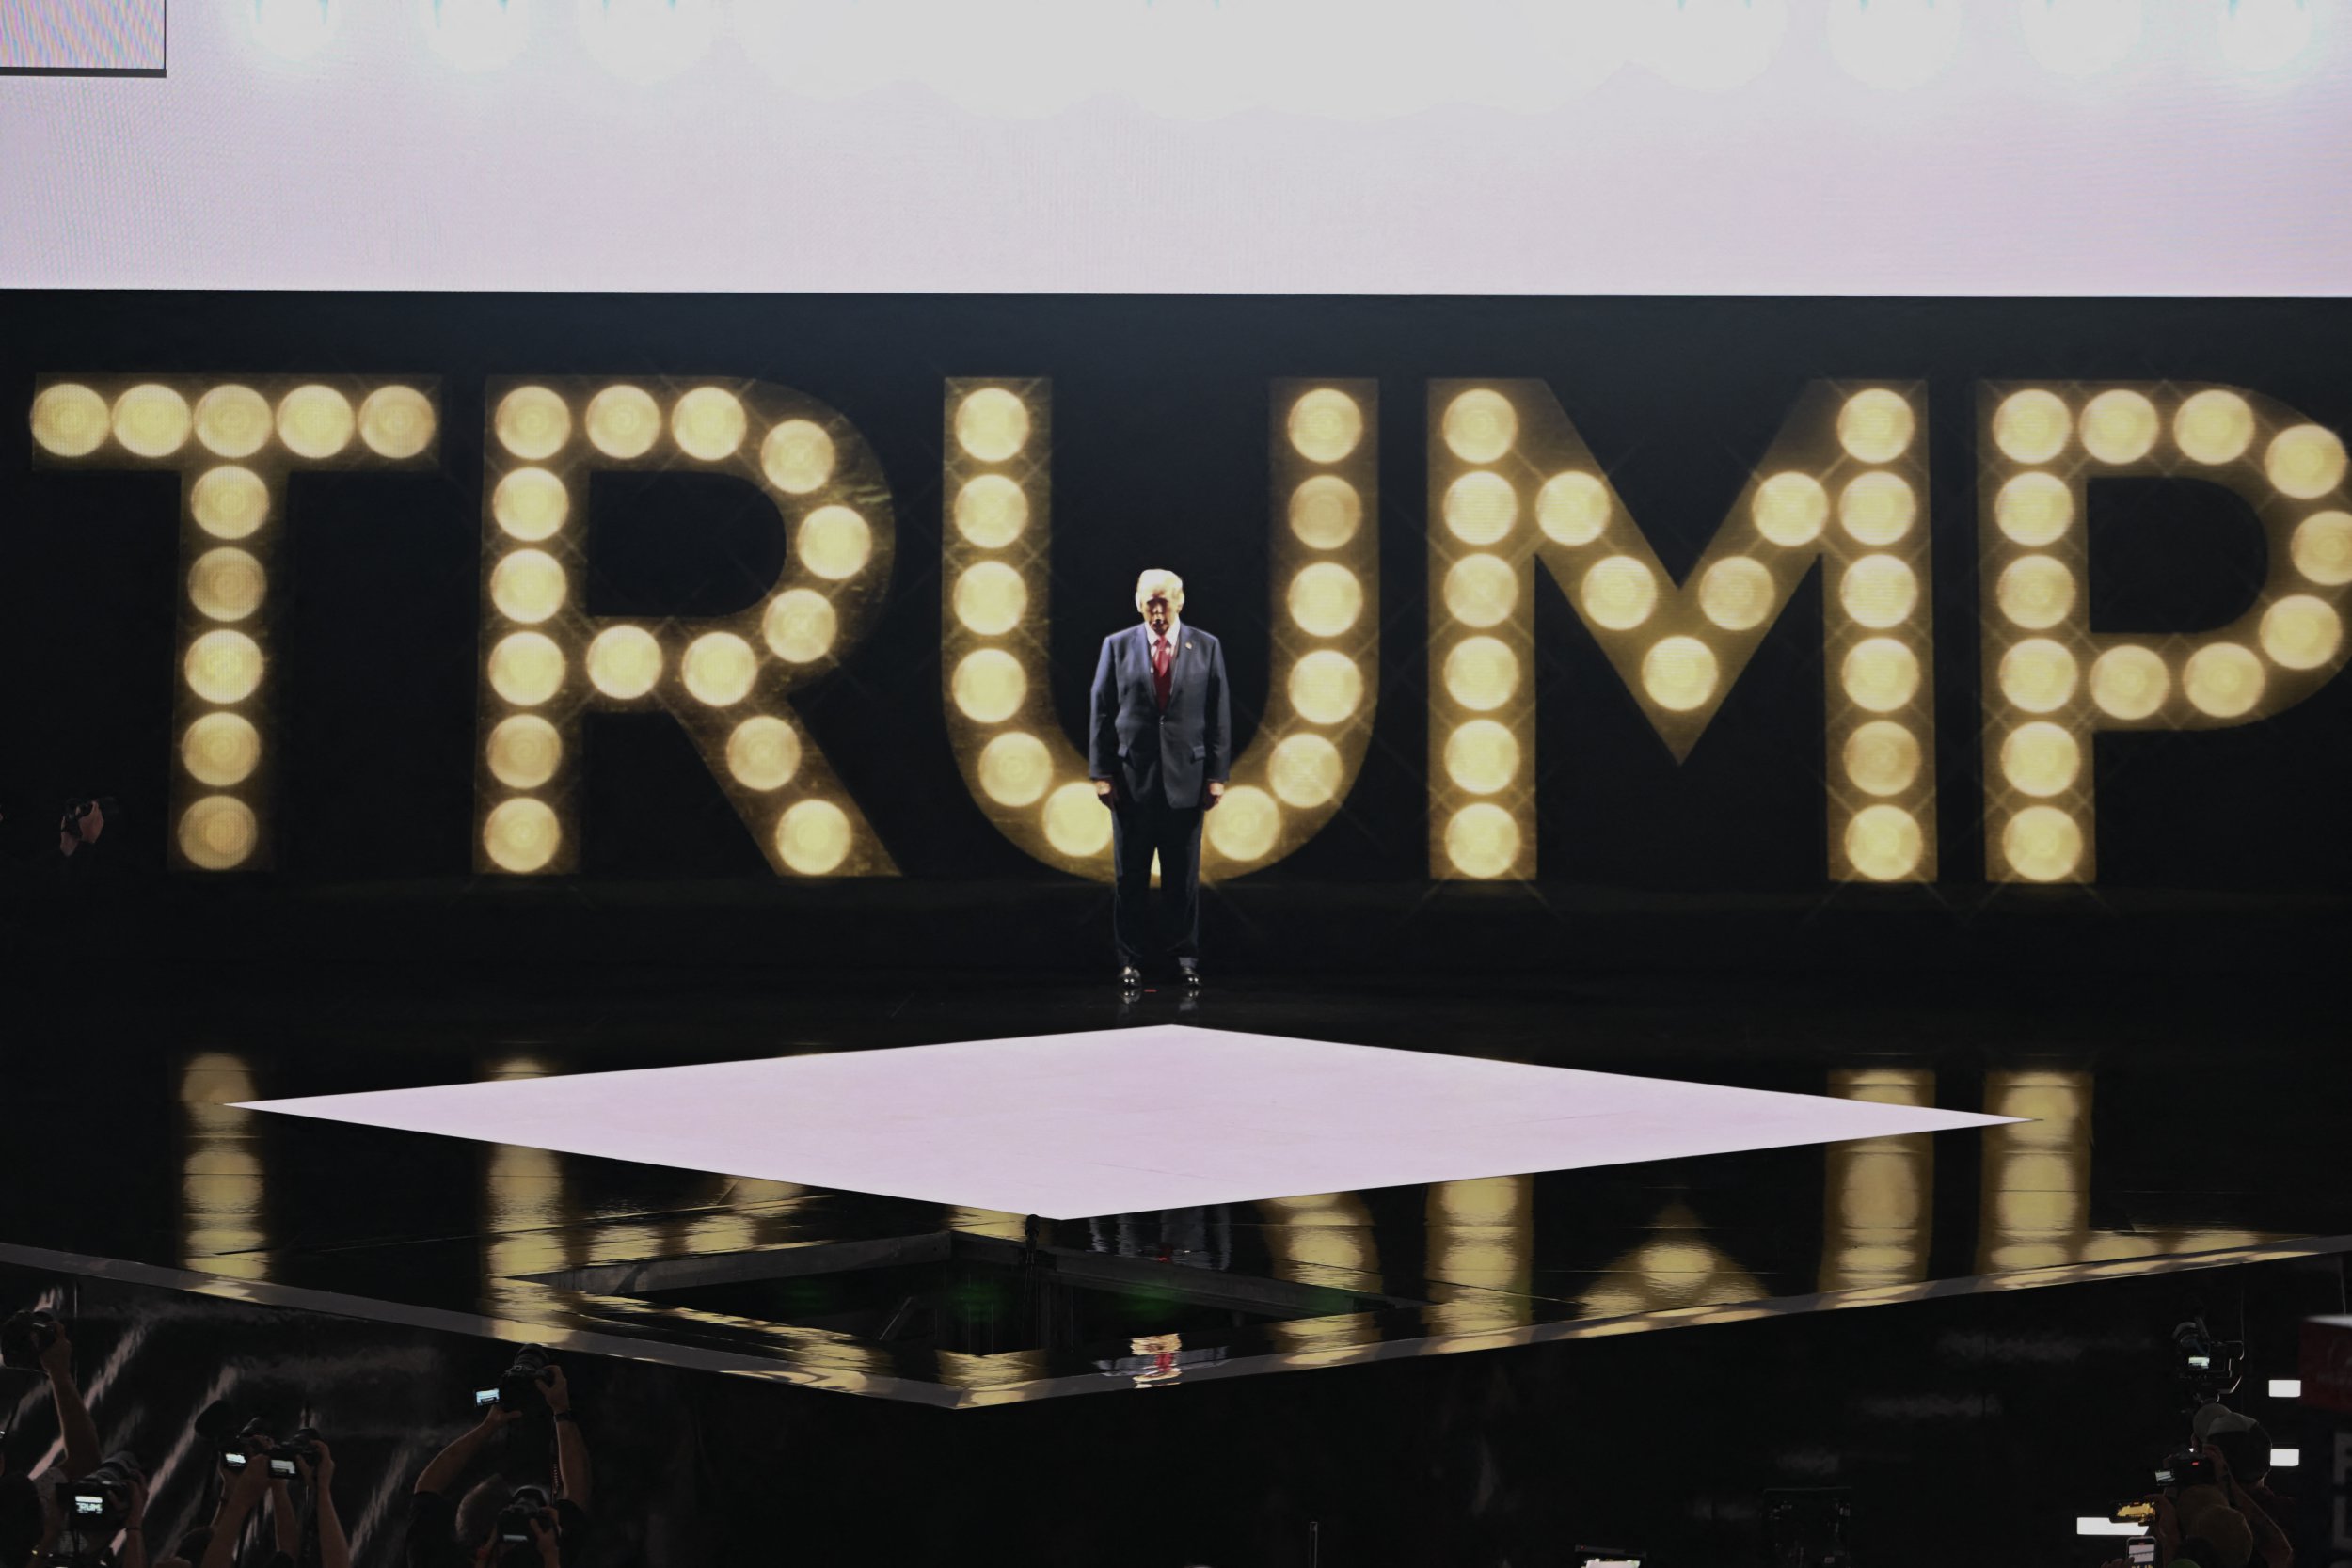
(2037, 1170)
(546, 660)
(1876, 1191)
(2049, 682)
(1512, 482)
(233, 444)
(996, 547)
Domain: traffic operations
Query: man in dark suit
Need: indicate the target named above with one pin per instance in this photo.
(1160, 750)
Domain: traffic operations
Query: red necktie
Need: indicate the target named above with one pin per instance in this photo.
(1163, 658)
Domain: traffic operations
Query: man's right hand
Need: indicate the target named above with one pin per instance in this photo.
(1106, 792)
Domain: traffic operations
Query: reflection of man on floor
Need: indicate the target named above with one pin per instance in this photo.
(1160, 749)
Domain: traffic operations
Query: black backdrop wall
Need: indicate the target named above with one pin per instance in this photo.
(1160, 408)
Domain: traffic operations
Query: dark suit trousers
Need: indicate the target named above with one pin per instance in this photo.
(1137, 829)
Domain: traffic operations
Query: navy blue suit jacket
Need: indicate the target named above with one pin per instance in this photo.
(1154, 756)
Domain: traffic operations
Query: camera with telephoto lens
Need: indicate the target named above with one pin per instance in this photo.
(2207, 1368)
(517, 1547)
(25, 1336)
(523, 1384)
(234, 1442)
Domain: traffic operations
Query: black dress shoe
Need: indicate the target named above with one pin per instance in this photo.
(1130, 977)
(1190, 969)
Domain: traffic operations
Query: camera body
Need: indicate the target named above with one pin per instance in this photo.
(516, 1545)
(238, 1447)
(91, 1509)
(523, 1384)
(25, 1336)
(2185, 1469)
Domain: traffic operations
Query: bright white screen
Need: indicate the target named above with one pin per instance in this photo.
(81, 34)
(1779, 146)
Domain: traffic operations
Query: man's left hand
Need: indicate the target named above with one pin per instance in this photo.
(1216, 793)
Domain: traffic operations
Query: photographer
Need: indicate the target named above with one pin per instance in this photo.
(318, 1474)
(238, 1501)
(494, 1525)
(73, 1420)
(29, 1520)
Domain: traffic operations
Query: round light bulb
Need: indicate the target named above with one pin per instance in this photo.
(1883, 842)
(1076, 824)
(813, 838)
(991, 510)
(1572, 508)
(1875, 425)
(521, 835)
(1481, 840)
(530, 504)
(989, 686)
(69, 420)
(1618, 593)
(2223, 679)
(1326, 686)
(2034, 509)
(1246, 825)
(2129, 682)
(718, 668)
(1882, 757)
(623, 421)
(624, 662)
(1326, 599)
(2214, 426)
(763, 753)
(709, 423)
(397, 423)
(2033, 426)
(526, 667)
(2038, 675)
(1738, 593)
(1481, 673)
(1480, 507)
(219, 832)
(2302, 632)
(1679, 673)
(2035, 592)
(1305, 770)
(1482, 591)
(1789, 509)
(315, 421)
(2042, 844)
(1480, 425)
(2041, 759)
(1325, 425)
(2321, 549)
(991, 424)
(800, 626)
(524, 751)
(990, 598)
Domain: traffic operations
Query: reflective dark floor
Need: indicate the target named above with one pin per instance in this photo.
(1650, 1345)
(2166, 1133)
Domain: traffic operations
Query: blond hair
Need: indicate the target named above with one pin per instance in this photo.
(1158, 582)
